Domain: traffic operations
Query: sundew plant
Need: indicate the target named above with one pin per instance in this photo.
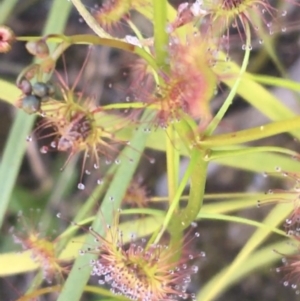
(149, 150)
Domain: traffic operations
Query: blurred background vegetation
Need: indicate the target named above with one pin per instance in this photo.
(40, 184)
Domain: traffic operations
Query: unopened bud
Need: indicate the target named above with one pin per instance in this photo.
(6, 38)
(31, 104)
(38, 48)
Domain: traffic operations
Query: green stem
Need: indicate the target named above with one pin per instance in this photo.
(160, 34)
(214, 123)
(275, 81)
(253, 134)
(188, 132)
(172, 163)
(90, 20)
(181, 220)
(240, 220)
(197, 189)
(95, 40)
(215, 196)
(175, 201)
(129, 105)
(136, 30)
(214, 155)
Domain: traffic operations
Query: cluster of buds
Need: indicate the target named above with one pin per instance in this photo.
(77, 124)
(34, 95)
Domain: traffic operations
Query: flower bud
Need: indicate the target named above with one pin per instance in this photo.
(31, 104)
(40, 89)
(38, 48)
(6, 38)
(25, 86)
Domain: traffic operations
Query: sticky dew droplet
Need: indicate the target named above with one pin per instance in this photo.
(152, 160)
(81, 186)
(193, 224)
(288, 221)
(44, 149)
(194, 269)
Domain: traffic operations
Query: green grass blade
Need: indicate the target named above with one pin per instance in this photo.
(240, 220)
(16, 144)
(160, 34)
(261, 259)
(221, 281)
(257, 261)
(80, 273)
(276, 81)
(6, 8)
